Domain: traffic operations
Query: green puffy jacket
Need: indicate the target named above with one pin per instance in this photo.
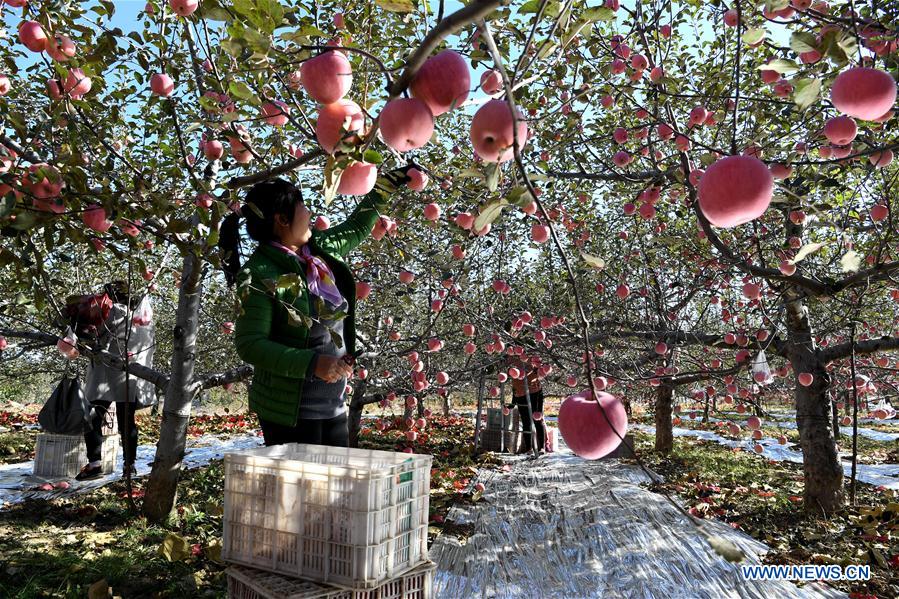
(271, 336)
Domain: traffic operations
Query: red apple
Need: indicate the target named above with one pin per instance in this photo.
(184, 8)
(492, 82)
(162, 85)
(731, 18)
(589, 430)
(335, 120)
(432, 211)
(879, 212)
(60, 48)
(406, 124)
(77, 83)
(735, 190)
(442, 82)
(213, 149)
(492, 131)
(417, 179)
(358, 179)
(881, 159)
(363, 290)
(274, 112)
(539, 233)
(863, 93)
(95, 218)
(327, 77)
(840, 130)
(33, 36)
(322, 223)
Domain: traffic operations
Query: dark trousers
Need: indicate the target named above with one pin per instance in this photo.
(329, 431)
(127, 430)
(528, 424)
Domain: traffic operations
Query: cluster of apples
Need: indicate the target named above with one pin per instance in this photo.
(737, 189)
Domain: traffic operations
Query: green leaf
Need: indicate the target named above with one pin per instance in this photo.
(489, 213)
(805, 251)
(239, 89)
(781, 65)
(469, 173)
(529, 8)
(178, 225)
(806, 92)
(372, 156)
(174, 548)
(7, 203)
(519, 196)
(297, 318)
(264, 14)
(396, 5)
(802, 41)
(331, 180)
(594, 261)
(600, 13)
(214, 13)
(546, 49)
(336, 338)
(775, 5)
(754, 36)
(494, 172)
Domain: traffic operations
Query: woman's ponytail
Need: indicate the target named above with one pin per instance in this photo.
(229, 243)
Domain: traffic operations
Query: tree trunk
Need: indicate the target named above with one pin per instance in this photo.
(357, 405)
(163, 484)
(705, 409)
(821, 466)
(664, 435)
(836, 419)
(446, 404)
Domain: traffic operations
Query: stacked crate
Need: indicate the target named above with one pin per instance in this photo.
(328, 520)
(63, 455)
(501, 427)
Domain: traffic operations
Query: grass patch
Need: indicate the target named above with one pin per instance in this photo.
(764, 499)
(61, 548)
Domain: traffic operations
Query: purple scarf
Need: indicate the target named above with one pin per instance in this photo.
(319, 278)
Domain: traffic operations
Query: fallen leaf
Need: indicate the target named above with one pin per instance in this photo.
(99, 590)
(174, 548)
(726, 549)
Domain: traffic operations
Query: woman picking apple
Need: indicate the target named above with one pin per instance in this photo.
(298, 300)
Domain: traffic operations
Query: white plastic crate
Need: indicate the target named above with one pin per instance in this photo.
(334, 515)
(250, 583)
(490, 437)
(496, 420)
(64, 455)
(552, 439)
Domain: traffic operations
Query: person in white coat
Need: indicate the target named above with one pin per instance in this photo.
(105, 385)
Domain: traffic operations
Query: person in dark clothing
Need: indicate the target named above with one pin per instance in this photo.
(532, 428)
(300, 339)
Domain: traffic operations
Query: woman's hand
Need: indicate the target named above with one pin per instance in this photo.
(331, 368)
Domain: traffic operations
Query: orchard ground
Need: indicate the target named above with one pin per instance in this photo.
(93, 540)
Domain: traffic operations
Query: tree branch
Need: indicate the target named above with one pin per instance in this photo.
(871, 346)
(156, 377)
